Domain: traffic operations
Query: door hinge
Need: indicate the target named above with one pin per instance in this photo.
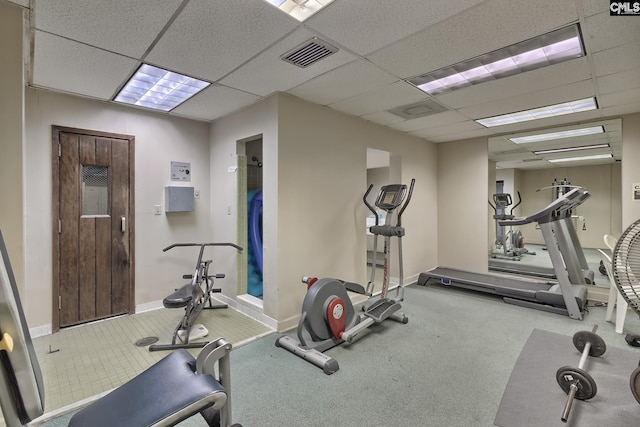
(59, 226)
(59, 303)
(59, 150)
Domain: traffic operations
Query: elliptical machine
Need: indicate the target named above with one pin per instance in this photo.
(328, 315)
(510, 241)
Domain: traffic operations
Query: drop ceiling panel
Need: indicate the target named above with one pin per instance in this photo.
(519, 84)
(456, 136)
(556, 95)
(382, 118)
(124, 26)
(77, 68)
(357, 23)
(211, 38)
(619, 81)
(623, 97)
(382, 98)
(620, 110)
(277, 75)
(215, 102)
(472, 33)
(344, 82)
(618, 59)
(604, 31)
(440, 119)
(593, 7)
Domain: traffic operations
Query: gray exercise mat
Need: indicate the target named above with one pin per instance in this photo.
(533, 398)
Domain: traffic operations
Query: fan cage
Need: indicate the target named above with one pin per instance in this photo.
(626, 265)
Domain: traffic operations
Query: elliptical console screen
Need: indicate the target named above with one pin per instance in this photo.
(389, 197)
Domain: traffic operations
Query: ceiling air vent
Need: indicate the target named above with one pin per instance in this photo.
(419, 109)
(309, 52)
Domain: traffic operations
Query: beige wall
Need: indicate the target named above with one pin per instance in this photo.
(315, 175)
(159, 139)
(463, 212)
(630, 169)
(11, 140)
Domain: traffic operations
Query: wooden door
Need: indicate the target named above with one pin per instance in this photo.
(93, 225)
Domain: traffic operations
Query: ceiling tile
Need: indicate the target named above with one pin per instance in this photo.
(620, 110)
(215, 102)
(382, 98)
(211, 38)
(619, 81)
(472, 33)
(593, 7)
(344, 82)
(357, 23)
(623, 97)
(459, 136)
(618, 59)
(267, 73)
(127, 27)
(434, 120)
(602, 31)
(72, 67)
(382, 118)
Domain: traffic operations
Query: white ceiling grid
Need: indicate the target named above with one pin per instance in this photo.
(91, 47)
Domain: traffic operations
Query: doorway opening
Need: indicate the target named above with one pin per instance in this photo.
(250, 196)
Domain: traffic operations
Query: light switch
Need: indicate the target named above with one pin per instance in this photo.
(157, 209)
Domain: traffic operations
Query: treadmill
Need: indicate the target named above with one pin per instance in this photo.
(564, 297)
(572, 249)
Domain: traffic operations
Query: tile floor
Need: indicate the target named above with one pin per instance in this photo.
(81, 362)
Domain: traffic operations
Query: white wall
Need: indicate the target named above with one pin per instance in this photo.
(11, 142)
(463, 212)
(159, 139)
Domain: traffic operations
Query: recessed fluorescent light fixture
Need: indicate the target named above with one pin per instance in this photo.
(573, 159)
(564, 150)
(571, 107)
(159, 89)
(558, 135)
(300, 9)
(548, 49)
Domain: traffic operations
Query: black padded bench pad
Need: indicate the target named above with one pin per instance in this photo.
(179, 298)
(157, 394)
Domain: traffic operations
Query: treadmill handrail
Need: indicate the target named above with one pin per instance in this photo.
(545, 213)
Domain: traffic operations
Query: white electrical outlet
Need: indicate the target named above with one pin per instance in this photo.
(157, 209)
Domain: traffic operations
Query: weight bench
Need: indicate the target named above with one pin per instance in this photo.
(174, 389)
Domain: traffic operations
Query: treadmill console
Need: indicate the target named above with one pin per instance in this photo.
(391, 196)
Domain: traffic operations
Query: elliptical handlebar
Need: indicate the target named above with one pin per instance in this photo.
(364, 199)
(406, 201)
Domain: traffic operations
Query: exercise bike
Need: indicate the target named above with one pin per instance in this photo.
(195, 296)
(328, 316)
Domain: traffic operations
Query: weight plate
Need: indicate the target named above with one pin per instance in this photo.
(598, 346)
(586, 385)
(635, 384)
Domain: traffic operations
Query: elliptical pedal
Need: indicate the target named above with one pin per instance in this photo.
(382, 309)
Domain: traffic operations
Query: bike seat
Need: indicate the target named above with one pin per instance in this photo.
(180, 298)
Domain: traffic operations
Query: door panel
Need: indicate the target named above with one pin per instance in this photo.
(92, 198)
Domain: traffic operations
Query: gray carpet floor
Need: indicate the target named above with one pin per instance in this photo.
(448, 366)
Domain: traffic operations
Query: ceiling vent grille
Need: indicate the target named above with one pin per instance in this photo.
(419, 109)
(309, 52)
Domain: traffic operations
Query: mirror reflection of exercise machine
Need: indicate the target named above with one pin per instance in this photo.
(511, 241)
(174, 389)
(563, 297)
(195, 296)
(328, 316)
(567, 236)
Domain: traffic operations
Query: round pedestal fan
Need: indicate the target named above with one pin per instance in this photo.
(625, 266)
